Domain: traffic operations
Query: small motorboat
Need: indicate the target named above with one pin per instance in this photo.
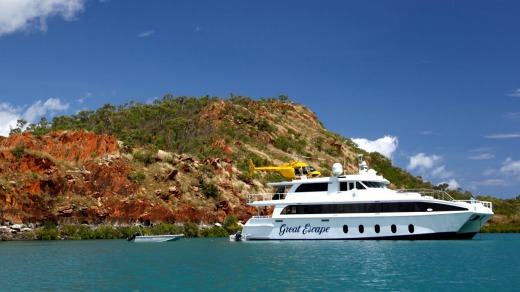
(137, 237)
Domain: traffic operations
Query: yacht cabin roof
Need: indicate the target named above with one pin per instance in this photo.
(343, 178)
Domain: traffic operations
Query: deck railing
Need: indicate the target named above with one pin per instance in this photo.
(436, 194)
(265, 197)
(486, 204)
(442, 195)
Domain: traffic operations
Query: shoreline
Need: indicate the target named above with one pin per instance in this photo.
(49, 231)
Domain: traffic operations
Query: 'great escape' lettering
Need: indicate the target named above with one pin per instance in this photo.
(285, 229)
(307, 229)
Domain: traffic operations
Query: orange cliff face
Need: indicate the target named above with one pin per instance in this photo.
(80, 177)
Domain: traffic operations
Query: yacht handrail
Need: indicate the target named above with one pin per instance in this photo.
(486, 204)
(436, 194)
(442, 195)
(265, 197)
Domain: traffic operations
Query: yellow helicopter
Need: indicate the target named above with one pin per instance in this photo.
(291, 170)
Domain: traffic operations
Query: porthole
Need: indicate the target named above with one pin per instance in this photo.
(393, 228)
(377, 228)
(345, 228)
(411, 228)
(361, 228)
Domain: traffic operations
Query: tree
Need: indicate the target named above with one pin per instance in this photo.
(283, 97)
(20, 125)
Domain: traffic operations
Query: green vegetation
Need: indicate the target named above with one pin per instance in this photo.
(210, 189)
(231, 224)
(18, 151)
(502, 228)
(50, 231)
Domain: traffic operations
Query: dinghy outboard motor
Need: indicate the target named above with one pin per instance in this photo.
(238, 236)
(133, 236)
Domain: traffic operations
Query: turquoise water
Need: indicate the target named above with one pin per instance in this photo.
(488, 262)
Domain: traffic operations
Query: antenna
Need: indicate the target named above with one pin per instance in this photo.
(362, 166)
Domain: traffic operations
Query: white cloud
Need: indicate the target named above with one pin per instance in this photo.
(493, 183)
(428, 167)
(452, 184)
(386, 145)
(9, 114)
(87, 95)
(511, 167)
(503, 136)
(8, 117)
(145, 33)
(509, 175)
(23, 15)
(39, 109)
(423, 161)
(483, 156)
(441, 172)
(489, 172)
(516, 93)
(513, 116)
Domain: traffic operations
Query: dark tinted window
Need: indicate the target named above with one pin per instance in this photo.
(359, 186)
(343, 186)
(345, 228)
(377, 228)
(373, 184)
(361, 228)
(370, 208)
(411, 228)
(393, 228)
(316, 187)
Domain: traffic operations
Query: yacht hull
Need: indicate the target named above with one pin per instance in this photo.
(424, 226)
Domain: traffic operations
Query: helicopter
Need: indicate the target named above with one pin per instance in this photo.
(291, 170)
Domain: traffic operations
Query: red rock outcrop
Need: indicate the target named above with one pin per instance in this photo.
(80, 177)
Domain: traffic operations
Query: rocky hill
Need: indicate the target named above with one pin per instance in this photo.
(78, 176)
(179, 160)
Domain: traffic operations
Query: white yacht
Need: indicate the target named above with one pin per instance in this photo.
(361, 206)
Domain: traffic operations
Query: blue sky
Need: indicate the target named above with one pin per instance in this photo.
(434, 85)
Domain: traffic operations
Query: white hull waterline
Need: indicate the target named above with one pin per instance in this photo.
(361, 207)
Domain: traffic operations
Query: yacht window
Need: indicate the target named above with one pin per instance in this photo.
(345, 228)
(314, 187)
(277, 196)
(393, 228)
(291, 210)
(377, 228)
(411, 228)
(375, 207)
(373, 184)
(281, 190)
(361, 228)
(280, 193)
(360, 186)
(343, 186)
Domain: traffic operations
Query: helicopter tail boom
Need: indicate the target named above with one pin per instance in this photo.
(252, 165)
